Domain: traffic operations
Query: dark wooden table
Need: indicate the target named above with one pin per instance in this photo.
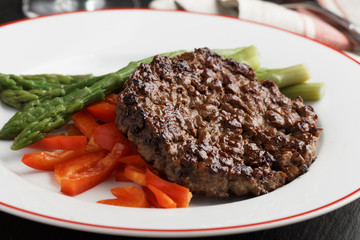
(341, 224)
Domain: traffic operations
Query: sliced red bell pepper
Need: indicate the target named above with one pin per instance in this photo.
(125, 203)
(72, 130)
(106, 135)
(135, 174)
(162, 198)
(102, 111)
(47, 160)
(77, 164)
(111, 98)
(120, 173)
(181, 195)
(83, 178)
(150, 196)
(58, 142)
(131, 196)
(85, 122)
(135, 160)
(92, 146)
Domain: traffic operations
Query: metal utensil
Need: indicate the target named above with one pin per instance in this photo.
(352, 29)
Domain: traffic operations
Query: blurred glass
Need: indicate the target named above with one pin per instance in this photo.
(34, 8)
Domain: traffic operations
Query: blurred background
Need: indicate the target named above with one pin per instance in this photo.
(11, 10)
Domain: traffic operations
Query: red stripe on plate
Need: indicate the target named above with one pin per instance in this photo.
(182, 230)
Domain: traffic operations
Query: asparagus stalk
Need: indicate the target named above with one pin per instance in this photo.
(307, 91)
(40, 81)
(6, 82)
(18, 98)
(57, 78)
(284, 77)
(56, 116)
(18, 90)
(248, 55)
(37, 110)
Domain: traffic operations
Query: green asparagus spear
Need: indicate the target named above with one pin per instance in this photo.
(284, 77)
(248, 55)
(40, 81)
(18, 90)
(19, 98)
(57, 78)
(30, 84)
(307, 91)
(6, 82)
(57, 116)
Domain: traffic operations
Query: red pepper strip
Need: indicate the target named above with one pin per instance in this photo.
(58, 142)
(120, 173)
(125, 203)
(77, 164)
(72, 130)
(150, 196)
(179, 194)
(92, 146)
(130, 196)
(85, 122)
(111, 98)
(135, 160)
(83, 178)
(102, 111)
(162, 198)
(135, 174)
(47, 160)
(107, 135)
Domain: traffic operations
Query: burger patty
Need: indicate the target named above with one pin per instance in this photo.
(206, 123)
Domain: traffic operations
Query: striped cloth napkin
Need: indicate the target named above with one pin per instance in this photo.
(300, 20)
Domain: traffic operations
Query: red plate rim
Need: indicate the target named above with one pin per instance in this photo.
(186, 230)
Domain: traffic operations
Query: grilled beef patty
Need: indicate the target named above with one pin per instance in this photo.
(206, 123)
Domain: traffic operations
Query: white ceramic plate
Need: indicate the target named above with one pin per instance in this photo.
(104, 41)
